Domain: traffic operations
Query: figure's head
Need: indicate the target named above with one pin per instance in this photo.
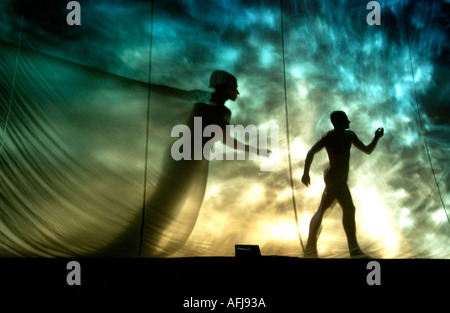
(339, 120)
(225, 84)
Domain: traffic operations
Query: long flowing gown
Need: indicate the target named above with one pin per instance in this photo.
(173, 207)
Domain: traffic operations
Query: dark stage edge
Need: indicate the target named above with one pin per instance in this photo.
(236, 284)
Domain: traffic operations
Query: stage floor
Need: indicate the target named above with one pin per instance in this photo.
(258, 284)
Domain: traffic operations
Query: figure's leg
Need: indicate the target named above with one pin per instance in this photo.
(327, 200)
(348, 220)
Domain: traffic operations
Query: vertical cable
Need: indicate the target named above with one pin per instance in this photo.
(287, 128)
(147, 133)
(13, 85)
(418, 113)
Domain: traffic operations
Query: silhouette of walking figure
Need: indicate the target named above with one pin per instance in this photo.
(337, 142)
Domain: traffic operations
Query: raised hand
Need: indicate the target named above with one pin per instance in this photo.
(379, 132)
(265, 153)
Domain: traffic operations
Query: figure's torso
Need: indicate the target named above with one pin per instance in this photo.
(338, 144)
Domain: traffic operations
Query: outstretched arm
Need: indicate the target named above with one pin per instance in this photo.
(232, 142)
(371, 146)
(309, 158)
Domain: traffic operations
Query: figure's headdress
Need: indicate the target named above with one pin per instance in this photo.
(222, 78)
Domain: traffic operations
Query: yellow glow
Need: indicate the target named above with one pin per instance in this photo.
(316, 188)
(284, 231)
(405, 220)
(298, 148)
(285, 194)
(213, 191)
(303, 223)
(280, 230)
(254, 193)
(374, 220)
(272, 162)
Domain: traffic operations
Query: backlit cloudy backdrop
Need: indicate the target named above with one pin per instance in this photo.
(83, 134)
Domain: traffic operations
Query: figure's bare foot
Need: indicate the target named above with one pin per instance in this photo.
(311, 253)
(358, 254)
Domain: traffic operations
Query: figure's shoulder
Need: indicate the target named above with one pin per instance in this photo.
(227, 115)
(211, 111)
(325, 138)
(338, 135)
(212, 107)
(329, 134)
(201, 105)
(349, 133)
(202, 108)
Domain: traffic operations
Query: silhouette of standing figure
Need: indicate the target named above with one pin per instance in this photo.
(337, 142)
(180, 190)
